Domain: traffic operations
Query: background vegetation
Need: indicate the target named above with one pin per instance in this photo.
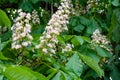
(88, 50)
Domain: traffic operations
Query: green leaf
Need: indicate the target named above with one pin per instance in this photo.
(34, 1)
(115, 3)
(102, 52)
(73, 22)
(26, 6)
(115, 73)
(49, 1)
(82, 2)
(22, 73)
(75, 65)
(6, 36)
(51, 74)
(3, 45)
(92, 64)
(1, 77)
(61, 41)
(93, 26)
(87, 39)
(84, 21)
(13, 1)
(77, 40)
(68, 37)
(65, 76)
(2, 57)
(93, 55)
(79, 28)
(4, 20)
(59, 76)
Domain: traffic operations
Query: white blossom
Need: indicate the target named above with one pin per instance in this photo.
(35, 17)
(21, 30)
(100, 39)
(55, 26)
(67, 48)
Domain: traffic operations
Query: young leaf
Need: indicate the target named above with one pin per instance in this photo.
(92, 64)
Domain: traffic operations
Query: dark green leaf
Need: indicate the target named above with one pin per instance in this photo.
(84, 21)
(34, 1)
(3, 45)
(2, 57)
(93, 26)
(92, 64)
(74, 21)
(82, 2)
(115, 3)
(79, 28)
(115, 73)
(26, 6)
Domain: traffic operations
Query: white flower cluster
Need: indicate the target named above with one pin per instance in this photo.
(67, 48)
(21, 30)
(55, 26)
(35, 17)
(98, 5)
(100, 39)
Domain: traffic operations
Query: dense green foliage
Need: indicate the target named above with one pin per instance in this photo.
(87, 60)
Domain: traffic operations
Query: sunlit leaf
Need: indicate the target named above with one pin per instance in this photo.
(22, 73)
(4, 20)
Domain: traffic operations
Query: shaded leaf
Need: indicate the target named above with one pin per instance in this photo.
(79, 28)
(116, 3)
(26, 6)
(3, 45)
(84, 21)
(92, 64)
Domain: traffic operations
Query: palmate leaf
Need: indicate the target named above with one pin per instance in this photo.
(92, 64)
(22, 73)
(4, 20)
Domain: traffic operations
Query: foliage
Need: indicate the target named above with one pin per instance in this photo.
(75, 54)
